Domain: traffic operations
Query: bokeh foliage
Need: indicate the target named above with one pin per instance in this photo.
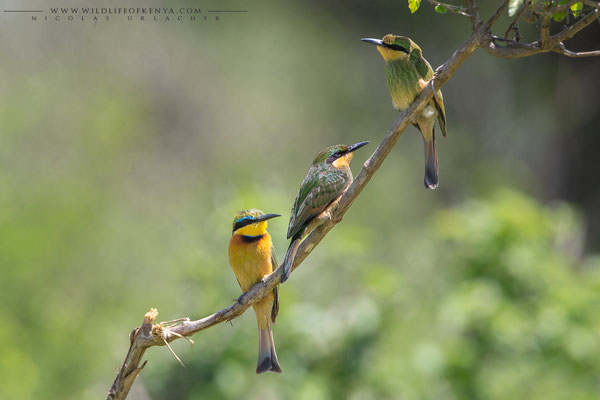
(506, 309)
(126, 148)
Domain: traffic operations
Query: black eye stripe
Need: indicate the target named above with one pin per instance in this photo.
(398, 48)
(335, 156)
(242, 223)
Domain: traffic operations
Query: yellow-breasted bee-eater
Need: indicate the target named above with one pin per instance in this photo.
(252, 257)
(407, 73)
(328, 177)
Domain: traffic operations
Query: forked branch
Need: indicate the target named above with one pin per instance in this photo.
(508, 48)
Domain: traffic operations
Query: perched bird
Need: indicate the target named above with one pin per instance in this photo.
(328, 177)
(252, 257)
(407, 73)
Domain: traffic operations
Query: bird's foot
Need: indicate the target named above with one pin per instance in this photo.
(325, 216)
(285, 274)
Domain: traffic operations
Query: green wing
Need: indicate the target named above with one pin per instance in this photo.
(421, 64)
(426, 72)
(439, 105)
(318, 190)
(275, 309)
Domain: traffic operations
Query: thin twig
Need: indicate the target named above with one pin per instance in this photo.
(572, 30)
(561, 49)
(580, 54)
(496, 15)
(474, 13)
(517, 16)
(174, 354)
(515, 49)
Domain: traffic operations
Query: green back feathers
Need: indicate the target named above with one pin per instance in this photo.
(421, 64)
(322, 184)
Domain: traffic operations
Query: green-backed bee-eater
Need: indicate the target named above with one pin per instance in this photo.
(252, 257)
(328, 177)
(407, 73)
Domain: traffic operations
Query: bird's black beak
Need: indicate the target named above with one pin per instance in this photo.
(356, 146)
(265, 217)
(377, 42)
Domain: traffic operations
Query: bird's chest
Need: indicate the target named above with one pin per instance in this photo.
(250, 260)
(404, 83)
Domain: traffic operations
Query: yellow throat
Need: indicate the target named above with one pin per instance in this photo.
(389, 54)
(343, 161)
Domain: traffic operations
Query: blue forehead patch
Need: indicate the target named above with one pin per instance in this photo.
(248, 217)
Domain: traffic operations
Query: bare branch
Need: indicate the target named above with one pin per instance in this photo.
(519, 13)
(513, 50)
(474, 13)
(591, 3)
(545, 32)
(563, 50)
(547, 43)
(572, 30)
(593, 53)
(130, 370)
(450, 7)
(496, 15)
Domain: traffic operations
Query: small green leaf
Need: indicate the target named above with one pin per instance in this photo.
(440, 9)
(513, 7)
(413, 5)
(577, 8)
(559, 16)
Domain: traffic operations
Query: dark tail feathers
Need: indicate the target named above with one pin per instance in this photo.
(289, 258)
(431, 165)
(267, 357)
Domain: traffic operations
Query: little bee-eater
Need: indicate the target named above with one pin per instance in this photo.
(252, 257)
(407, 73)
(328, 177)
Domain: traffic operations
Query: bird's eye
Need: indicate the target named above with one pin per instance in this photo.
(397, 47)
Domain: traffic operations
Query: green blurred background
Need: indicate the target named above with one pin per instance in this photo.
(126, 147)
